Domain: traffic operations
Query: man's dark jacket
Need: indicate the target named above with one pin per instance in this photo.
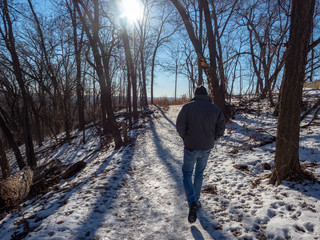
(200, 123)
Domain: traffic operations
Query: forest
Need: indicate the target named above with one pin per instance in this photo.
(70, 65)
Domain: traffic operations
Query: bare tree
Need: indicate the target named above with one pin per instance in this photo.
(286, 164)
(131, 67)
(143, 31)
(8, 37)
(78, 45)
(218, 34)
(267, 24)
(91, 23)
(190, 68)
(163, 32)
(210, 69)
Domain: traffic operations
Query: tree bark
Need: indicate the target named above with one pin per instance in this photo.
(287, 165)
(152, 72)
(176, 81)
(129, 95)
(133, 74)
(12, 143)
(77, 50)
(200, 72)
(142, 36)
(4, 163)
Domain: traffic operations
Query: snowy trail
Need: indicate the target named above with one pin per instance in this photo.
(151, 204)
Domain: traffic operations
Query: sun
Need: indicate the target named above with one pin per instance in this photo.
(131, 10)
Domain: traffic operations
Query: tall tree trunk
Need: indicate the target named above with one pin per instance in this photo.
(111, 117)
(37, 122)
(77, 50)
(287, 165)
(216, 87)
(142, 35)
(67, 109)
(176, 81)
(223, 79)
(129, 96)
(133, 73)
(10, 44)
(160, 40)
(12, 143)
(144, 79)
(4, 163)
(152, 73)
(200, 72)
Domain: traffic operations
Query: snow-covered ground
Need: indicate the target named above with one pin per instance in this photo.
(137, 193)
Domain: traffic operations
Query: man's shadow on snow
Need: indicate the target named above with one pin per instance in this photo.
(197, 235)
(208, 224)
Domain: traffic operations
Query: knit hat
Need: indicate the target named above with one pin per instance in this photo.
(200, 90)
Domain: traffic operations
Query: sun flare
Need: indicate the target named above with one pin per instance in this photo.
(132, 10)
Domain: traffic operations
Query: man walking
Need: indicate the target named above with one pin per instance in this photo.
(199, 124)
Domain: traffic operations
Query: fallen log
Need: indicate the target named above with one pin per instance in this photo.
(316, 105)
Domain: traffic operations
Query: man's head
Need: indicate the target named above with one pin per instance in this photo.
(200, 90)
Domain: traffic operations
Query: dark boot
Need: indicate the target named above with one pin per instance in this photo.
(192, 217)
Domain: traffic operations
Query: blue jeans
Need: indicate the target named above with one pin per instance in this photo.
(200, 158)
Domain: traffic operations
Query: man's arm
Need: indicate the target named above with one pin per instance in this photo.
(220, 126)
(181, 124)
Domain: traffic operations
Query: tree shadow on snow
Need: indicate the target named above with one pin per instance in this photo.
(307, 188)
(59, 202)
(104, 203)
(260, 135)
(165, 116)
(311, 152)
(165, 156)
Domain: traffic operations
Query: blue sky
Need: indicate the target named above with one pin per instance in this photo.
(164, 85)
(164, 82)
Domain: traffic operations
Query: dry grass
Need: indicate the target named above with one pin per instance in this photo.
(165, 102)
(313, 85)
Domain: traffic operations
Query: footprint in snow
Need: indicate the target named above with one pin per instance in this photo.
(309, 226)
(271, 213)
(275, 205)
(296, 215)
